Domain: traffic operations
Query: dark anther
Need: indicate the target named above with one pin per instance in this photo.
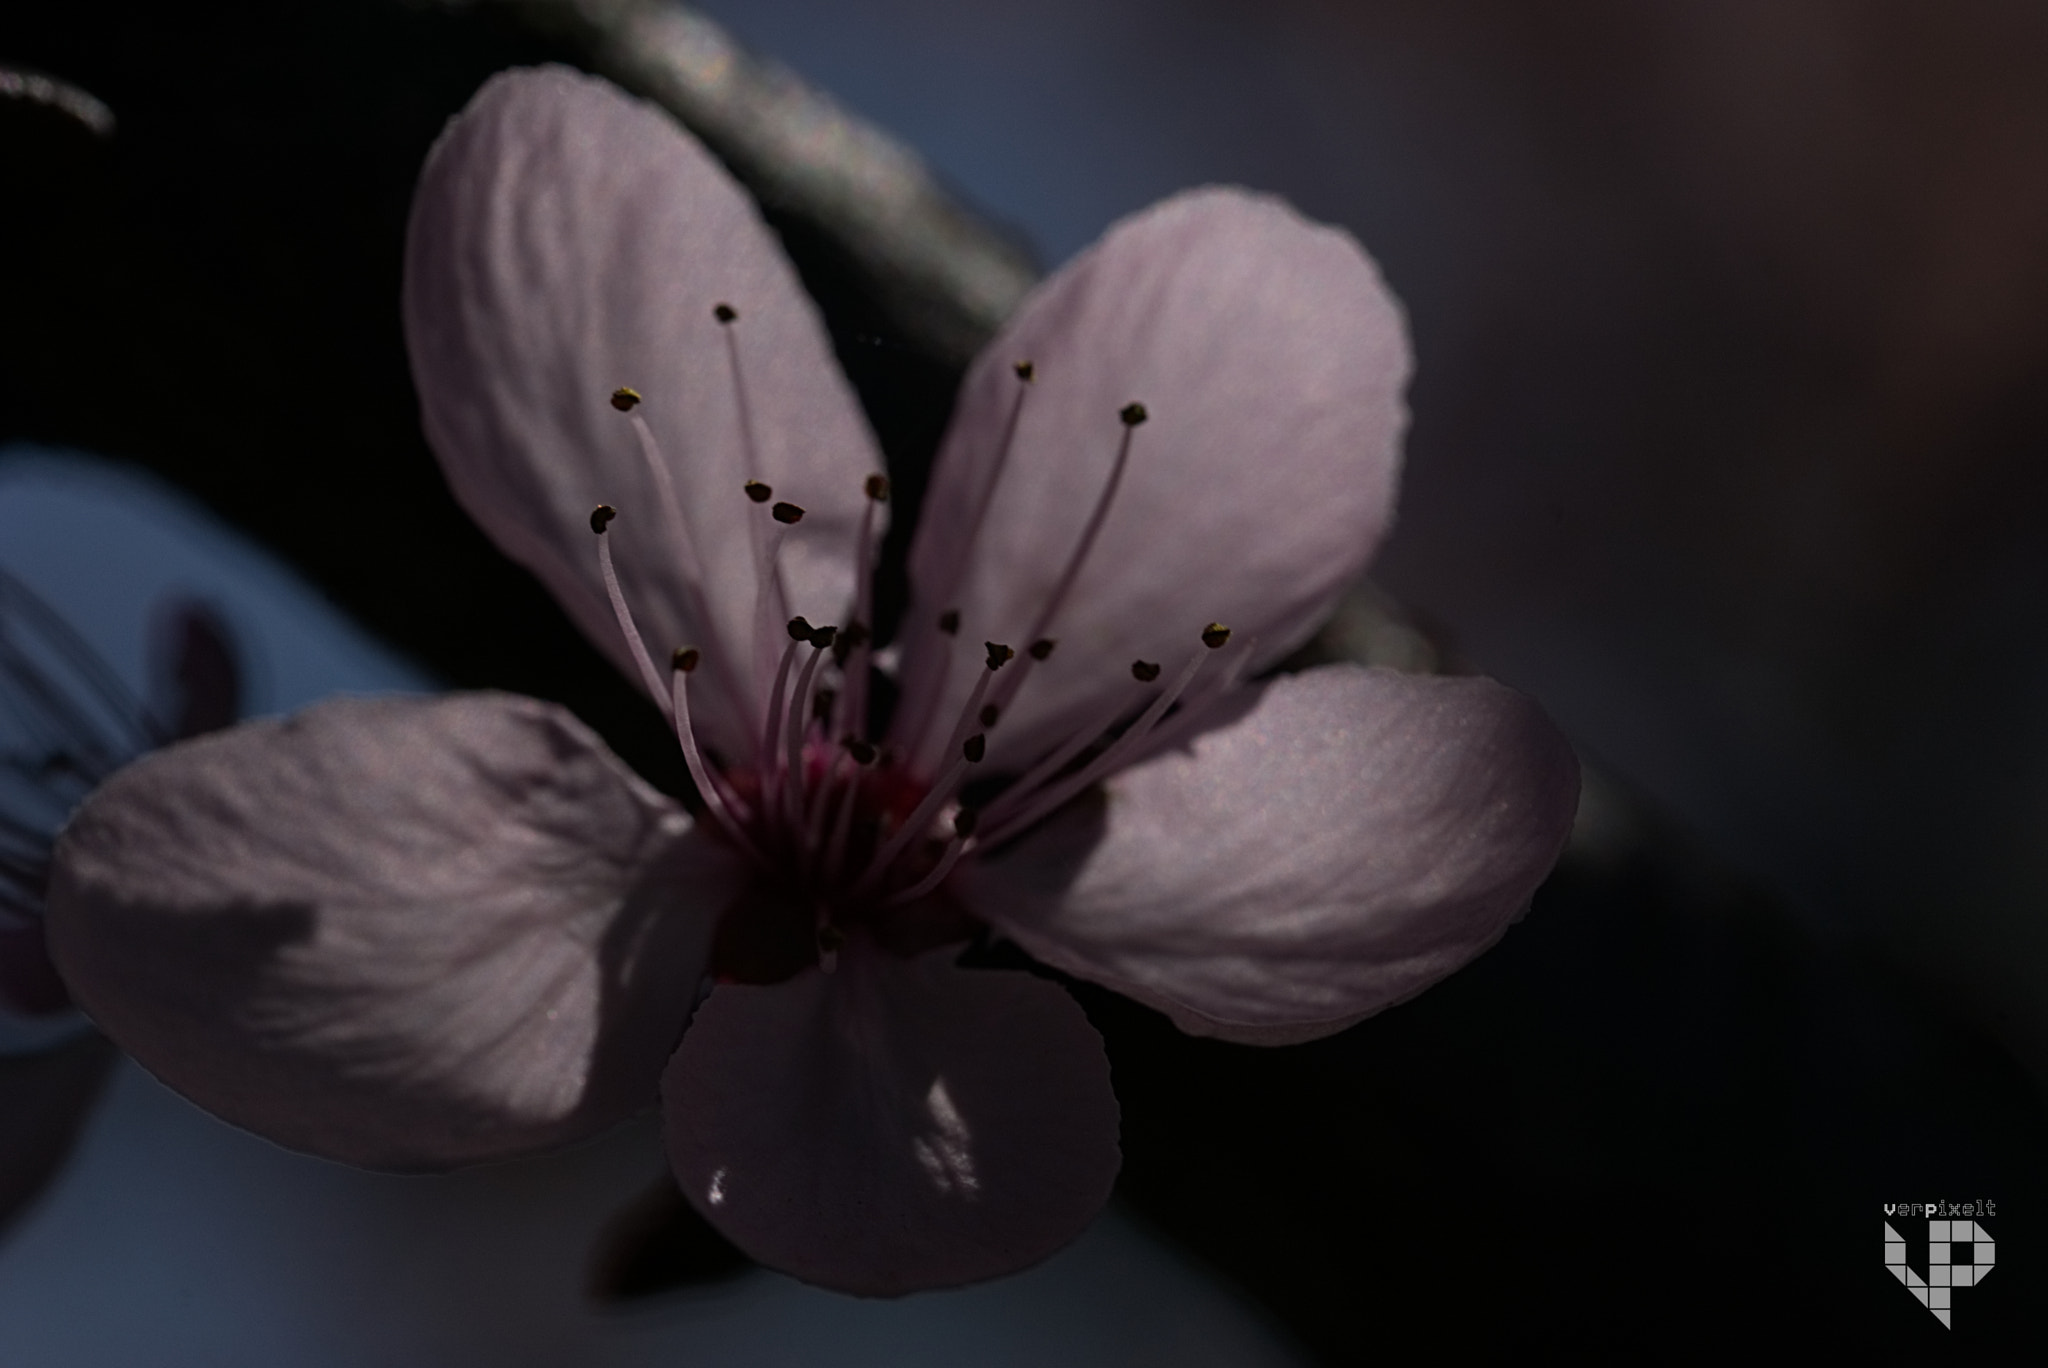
(685, 659)
(853, 634)
(1144, 671)
(759, 492)
(821, 637)
(877, 488)
(1042, 648)
(830, 938)
(724, 313)
(949, 622)
(861, 751)
(1214, 635)
(1025, 370)
(787, 513)
(964, 822)
(821, 704)
(989, 713)
(601, 515)
(998, 654)
(624, 399)
(1132, 414)
(799, 629)
(974, 748)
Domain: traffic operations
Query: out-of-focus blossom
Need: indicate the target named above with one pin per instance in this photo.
(66, 723)
(418, 933)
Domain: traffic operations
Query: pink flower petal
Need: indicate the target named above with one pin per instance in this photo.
(1353, 837)
(568, 240)
(896, 1125)
(1270, 360)
(399, 932)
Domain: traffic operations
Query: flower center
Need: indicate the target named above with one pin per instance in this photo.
(845, 833)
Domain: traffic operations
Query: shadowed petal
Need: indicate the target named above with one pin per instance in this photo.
(894, 1126)
(1350, 839)
(1270, 360)
(567, 240)
(399, 932)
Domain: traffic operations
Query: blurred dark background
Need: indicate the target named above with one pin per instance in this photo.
(1730, 417)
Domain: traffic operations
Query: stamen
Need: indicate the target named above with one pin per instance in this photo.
(725, 315)
(1144, 671)
(853, 663)
(771, 766)
(821, 802)
(788, 514)
(851, 635)
(963, 832)
(972, 752)
(842, 821)
(1024, 371)
(1025, 811)
(600, 519)
(998, 656)
(672, 508)
(920, 817)
(684, 662)
(771, 595)
(799, 718)
(1042, 648)
(926, 711)
(1013, 797)
(1172, 730)
(929, 698)
(1132, 415)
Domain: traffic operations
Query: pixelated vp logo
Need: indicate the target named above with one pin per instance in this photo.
(1944, 1274)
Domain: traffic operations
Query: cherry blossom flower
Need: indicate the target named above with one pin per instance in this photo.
(420, 933)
